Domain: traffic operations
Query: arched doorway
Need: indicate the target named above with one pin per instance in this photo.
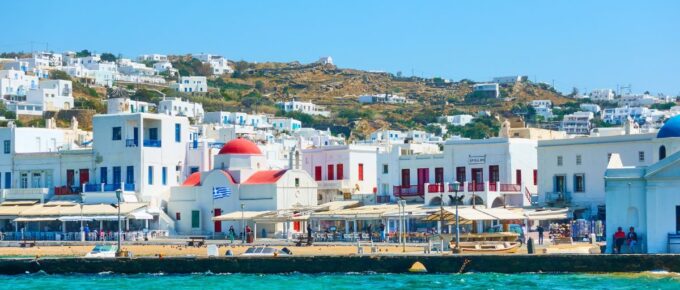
(435, 201)
(662, 152)
(476, 200)
(498, 202)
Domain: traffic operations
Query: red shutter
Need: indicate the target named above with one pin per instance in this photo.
(178, 216)
(84, 176)
(405, 178)
(330, 172)
(317, 173)
(535, 176)
(518, 177)
(218, 224)
(439, 175)
(340, 172)
(460, 174)
(361, 171)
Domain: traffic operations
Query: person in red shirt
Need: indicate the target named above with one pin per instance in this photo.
(619, 238)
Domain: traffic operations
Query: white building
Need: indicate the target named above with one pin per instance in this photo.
(387, 136)
(382, 99)
(509, 79)
(153, 57)
(243, 175)
(457, 120)
(324, 60)
(578, 123)
(489, 90)
(304, 107)
(572, 170)
(619, 115)
(163, 66)
(285, 124)
(600, 95)
(637, 100)
(179, 107)
(645, 196)
(15, 84)
(191, 85)
(541, 103)
(545, 112)
(343, 172)
(593, 108)
(119, 102)
(52, 95)
(218, 64)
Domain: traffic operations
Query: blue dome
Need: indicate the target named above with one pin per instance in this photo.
(670, 129)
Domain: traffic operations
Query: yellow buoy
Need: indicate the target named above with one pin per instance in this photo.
(417, 267)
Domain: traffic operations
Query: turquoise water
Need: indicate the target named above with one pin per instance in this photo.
(358, 281)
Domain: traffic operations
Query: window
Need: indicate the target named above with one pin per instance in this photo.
(297, 182)
(339, 172)
(193, 169)
(578, 159)
(385, 169)
(8, 179)
(609, 157)
(23, 180)
(579, 183)
(361, 172)
(195, 219)
(439, 175)
(178, 216)
(559, 160)
(518, 177)
(117, 175)
(153, 133)
(150, 175)
(494, 173)
(317, 173)
(460, 174)
(6, 146)
(641, 156)
(116, 134)
(662, 152)
(130, 175)
(164, 175)
(103, 174)
(331, 172)
(405, 178)
(70, 177)
(178, 135)
(535, 176)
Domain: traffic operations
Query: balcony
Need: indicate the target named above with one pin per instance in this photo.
(104, 187)
(505, 187)
(106, 193)
(152, 143)
(383, 199)
(435, 187)
(66, 190)
(412, 190)
(558, 198)
(131, 143)
(472, 187)
(25, 193)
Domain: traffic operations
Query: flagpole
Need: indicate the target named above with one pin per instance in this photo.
(212, 211)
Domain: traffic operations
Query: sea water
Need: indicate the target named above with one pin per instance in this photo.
(354, 281)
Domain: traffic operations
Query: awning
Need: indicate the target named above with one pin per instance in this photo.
(107, 217)
(371, 212)
(238, 215)
(140, 215)
(465, 213)
(547, 214)
(75, 218)
(35, 219)
(502, 213)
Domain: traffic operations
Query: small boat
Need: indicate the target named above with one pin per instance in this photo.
(102, 251)
(264, 251)
(488, 247)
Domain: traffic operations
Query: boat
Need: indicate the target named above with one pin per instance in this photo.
(488, 247)
(102, 251)
(264, 251)
(485, 237)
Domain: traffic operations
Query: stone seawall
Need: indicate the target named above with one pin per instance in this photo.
(330, 264)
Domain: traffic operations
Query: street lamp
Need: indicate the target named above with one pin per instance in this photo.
(456, 186)
(119, 193)
(243, 229)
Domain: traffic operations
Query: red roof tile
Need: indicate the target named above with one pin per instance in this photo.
(193, 180)
(240, 146)
(265, 177)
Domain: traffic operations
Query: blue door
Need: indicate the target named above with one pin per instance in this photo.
(135, 135)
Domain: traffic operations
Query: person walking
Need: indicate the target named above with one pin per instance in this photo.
(369, 230)
(382, 232)
(632, 240)
(86, 230)
(619, 238)
(540, 230)
(309, 233)
(232, 234)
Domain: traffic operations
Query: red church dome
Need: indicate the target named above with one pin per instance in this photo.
(240, 146)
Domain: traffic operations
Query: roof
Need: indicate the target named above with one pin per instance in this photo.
(240, 146)
(265, 177)
(670, 129)
(193, 180)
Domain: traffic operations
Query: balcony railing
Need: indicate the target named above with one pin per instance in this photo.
(131, 143)
(435, 187)
(383, 199)
(558, 197)
(63, 190)
(104, 187)
(412, 190)
(510, 187)
(152, 143)
(493, 186)
(475, 187)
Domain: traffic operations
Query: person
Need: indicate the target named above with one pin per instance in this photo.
(632, 239)
(248, 231)
(232, 234)
(96, 235)
(369, 230)
(540, 230)
(382, 232)
(309, 233)
(619, 238)
(87, 231)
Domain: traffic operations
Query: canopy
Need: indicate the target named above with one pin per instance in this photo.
(475, 214)
(140, 215)
(75, 218)
(238, 215)
(547, 214)
(502, 213)
(35, 219)
(370, 212)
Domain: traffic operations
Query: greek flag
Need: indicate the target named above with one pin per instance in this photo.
(220, 192)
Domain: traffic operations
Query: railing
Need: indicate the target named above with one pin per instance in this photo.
(461, 186)
(63, 190)
(104, 187)
(510, 187)
(475, 187)
(558, 197)
(435, 187)
(407, 191)
(131, 143)
(493, 186)
(152, 143)
(76, 236)
(383, 199)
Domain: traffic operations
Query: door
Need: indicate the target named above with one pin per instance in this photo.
(103, 175)
(518, 177)
(439, 175)
(405, 178)
(560, 185)
(116, 175)
(460, 174)
(477, 178)
(153, 134)
(70, 177)
(135, 135)
(423, 177)
(218, 224)
(195, 219)
(84, 176)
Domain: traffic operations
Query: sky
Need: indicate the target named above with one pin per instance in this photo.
(571, 43)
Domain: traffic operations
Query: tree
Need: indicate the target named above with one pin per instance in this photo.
(259, 86)
(59, 75)
(83, 53)
(108, 57)
(434, 129)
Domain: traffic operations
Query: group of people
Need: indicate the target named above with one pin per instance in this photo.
(231, 234)
(620, 237)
